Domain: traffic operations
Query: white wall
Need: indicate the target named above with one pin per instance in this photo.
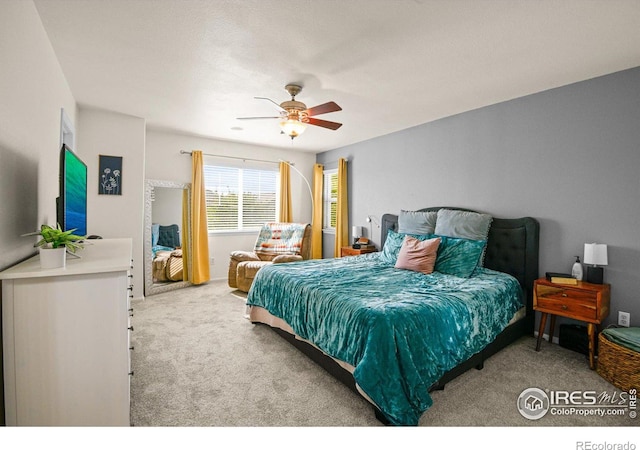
(33, 90)
(167, 206)
(103, 132)
(163, 161)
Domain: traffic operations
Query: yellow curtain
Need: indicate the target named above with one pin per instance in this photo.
(199, 234)
(316, 225)
(342, 219)
(286, 214)
(185, 236)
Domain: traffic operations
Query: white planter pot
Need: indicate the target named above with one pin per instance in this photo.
(53, 258)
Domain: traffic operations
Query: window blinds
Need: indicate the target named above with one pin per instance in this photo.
(240, 198)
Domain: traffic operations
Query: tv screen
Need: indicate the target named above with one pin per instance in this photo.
(72, 203)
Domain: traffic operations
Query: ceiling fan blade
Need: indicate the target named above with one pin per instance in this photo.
(324, 123)
(280, 108)
(251, 118)
(323, 109)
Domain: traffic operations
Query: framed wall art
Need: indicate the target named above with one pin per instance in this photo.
(110, 175)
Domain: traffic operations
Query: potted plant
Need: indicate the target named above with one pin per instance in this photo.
(54, 245)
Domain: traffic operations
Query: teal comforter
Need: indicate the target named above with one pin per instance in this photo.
(401, 330)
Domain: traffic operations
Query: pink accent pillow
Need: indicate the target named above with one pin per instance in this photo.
(417, 255)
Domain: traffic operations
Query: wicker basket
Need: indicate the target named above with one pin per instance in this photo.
(618, 365)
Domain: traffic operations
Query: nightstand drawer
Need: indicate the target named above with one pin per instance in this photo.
(561, 293)
(569, 306)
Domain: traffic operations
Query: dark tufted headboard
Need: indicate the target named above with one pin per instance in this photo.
(169, 236)
(512, 248)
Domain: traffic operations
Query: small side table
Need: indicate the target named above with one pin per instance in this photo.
(586, 302)
(350, 251)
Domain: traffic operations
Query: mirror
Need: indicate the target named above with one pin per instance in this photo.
(167, 242)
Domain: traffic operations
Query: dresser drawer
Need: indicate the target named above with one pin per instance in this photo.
(578, 308)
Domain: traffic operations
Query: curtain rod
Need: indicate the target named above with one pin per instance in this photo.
(184, 152)
(329, 163)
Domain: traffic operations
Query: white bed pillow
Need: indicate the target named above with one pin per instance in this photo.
(417, 222)
(463, 224)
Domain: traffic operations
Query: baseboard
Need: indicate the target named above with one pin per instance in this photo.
(545, 336)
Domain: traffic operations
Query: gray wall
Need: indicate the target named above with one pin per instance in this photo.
(570, 157)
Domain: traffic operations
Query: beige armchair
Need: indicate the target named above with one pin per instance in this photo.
(277, 243)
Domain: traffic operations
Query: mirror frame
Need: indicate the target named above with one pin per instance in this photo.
(150, 288)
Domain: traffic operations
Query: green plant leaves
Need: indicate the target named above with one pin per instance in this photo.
(56, 238)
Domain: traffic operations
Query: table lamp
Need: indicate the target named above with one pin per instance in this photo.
(595, 255)
(356, 232)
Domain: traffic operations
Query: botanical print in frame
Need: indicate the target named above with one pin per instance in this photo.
(110, 175)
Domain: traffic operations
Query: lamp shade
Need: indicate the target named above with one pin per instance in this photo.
(356, 231)
(595, 254)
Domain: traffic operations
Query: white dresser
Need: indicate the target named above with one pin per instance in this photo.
(66, 335)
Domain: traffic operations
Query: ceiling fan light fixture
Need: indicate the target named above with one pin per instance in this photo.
(295, 116)
(292, 127)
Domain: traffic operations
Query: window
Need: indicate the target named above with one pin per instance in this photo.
(67, 131)
(239, 199)
(330, 200)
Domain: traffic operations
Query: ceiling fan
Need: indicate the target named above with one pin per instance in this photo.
(295, 116)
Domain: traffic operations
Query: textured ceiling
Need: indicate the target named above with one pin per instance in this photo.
(195, 66)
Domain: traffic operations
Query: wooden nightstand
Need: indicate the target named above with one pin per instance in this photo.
(350, 251)
(586, 302)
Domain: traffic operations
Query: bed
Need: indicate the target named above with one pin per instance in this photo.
(394, 335)
(167, 263)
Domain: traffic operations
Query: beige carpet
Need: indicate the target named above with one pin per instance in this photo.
(199, 362)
